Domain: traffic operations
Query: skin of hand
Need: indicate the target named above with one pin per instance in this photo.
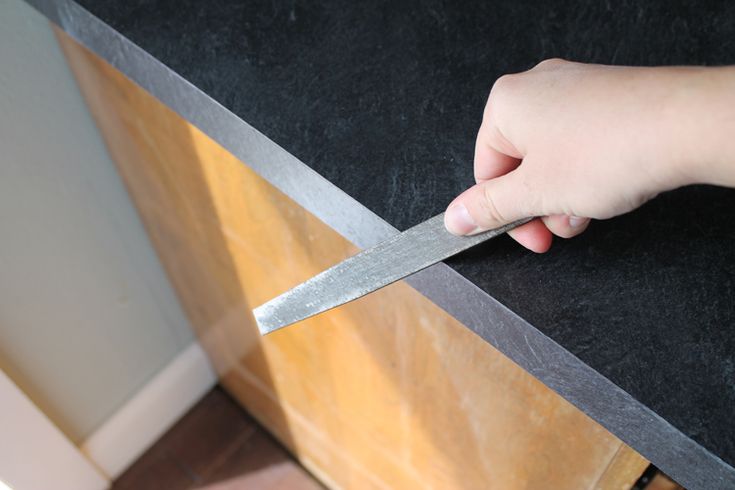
(570, 141)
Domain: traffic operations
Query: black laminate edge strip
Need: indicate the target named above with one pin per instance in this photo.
(638, 426)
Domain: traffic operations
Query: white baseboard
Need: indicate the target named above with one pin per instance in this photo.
(33, 451)
(131, 430)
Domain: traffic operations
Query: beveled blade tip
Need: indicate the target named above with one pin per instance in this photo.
(267, 323)
(275, 314)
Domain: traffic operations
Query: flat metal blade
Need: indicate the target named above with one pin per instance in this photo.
(387, 262)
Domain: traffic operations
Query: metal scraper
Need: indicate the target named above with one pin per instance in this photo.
(387, 262)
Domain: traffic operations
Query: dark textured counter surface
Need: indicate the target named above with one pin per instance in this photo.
(384, 100)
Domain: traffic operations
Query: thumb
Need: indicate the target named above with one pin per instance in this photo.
(489, 205)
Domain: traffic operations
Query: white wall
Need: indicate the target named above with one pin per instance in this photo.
(38, 444)
(86, 313)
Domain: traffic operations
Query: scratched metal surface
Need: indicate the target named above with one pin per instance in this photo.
(387, 262)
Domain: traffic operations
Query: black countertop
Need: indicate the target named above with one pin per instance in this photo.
(384, 99)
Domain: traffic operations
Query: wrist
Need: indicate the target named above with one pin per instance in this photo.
(704, 126)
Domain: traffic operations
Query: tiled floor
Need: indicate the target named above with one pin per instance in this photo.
(216, 446)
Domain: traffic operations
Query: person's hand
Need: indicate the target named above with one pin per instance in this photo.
(568, 142)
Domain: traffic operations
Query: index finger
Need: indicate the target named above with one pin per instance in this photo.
(494, 154)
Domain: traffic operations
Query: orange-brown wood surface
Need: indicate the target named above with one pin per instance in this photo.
(386, 392)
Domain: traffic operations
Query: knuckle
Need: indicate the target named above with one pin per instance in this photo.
(501, 95)
(551, 63)
(490, 210)
(503, 85)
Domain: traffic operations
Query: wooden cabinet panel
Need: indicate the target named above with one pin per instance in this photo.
(386, 392)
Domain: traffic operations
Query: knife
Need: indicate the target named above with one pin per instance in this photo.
(387, 262)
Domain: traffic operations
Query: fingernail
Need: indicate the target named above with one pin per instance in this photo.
(458, 220)
(576, 221)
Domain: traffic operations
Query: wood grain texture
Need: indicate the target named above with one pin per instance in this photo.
(386, 392)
